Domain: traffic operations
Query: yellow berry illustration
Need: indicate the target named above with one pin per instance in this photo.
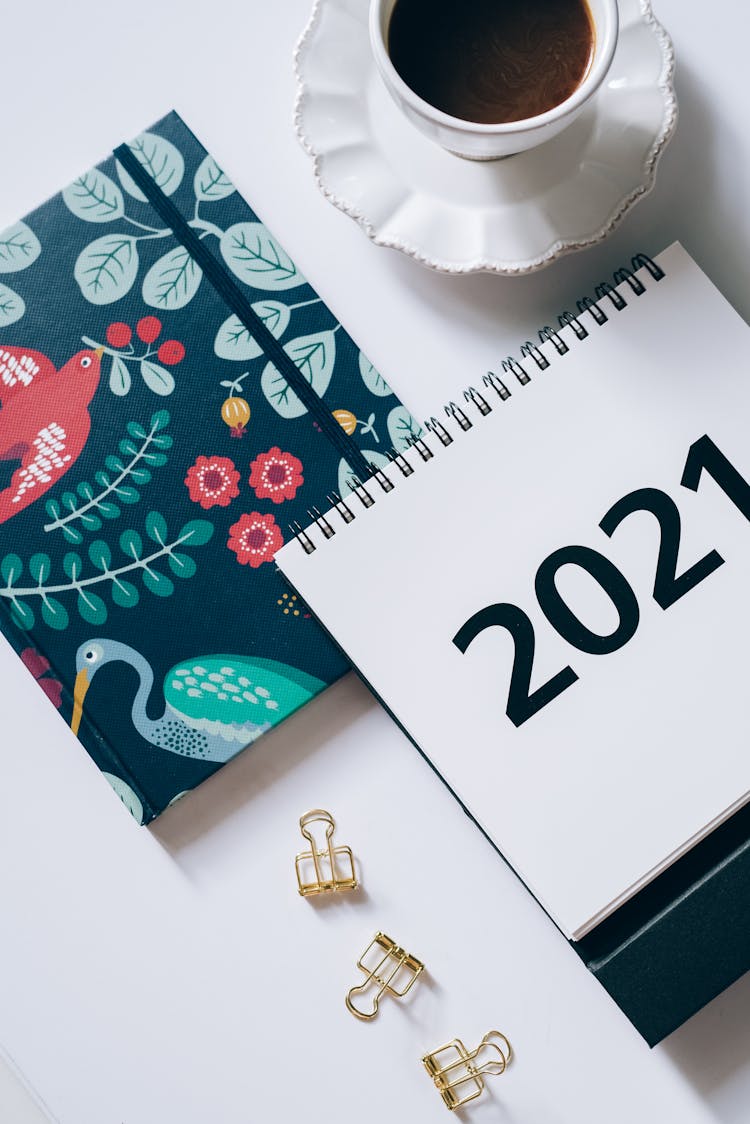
(349, 422)
(346, 420)
(235, 412)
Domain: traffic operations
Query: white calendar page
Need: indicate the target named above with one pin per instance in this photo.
(583, 690)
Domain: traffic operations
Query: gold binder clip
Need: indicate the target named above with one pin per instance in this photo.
(391, 970)
(326, 869)
(458, 1074)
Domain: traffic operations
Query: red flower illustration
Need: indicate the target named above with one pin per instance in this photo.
(39, 666)
(255, 538)
(212, 481)
(276, 476)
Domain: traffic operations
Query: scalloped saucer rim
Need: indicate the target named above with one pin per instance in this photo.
(485, 262)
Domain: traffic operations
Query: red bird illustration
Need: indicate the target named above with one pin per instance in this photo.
(44, 419)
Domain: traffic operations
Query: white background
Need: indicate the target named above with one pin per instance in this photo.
(173, 975)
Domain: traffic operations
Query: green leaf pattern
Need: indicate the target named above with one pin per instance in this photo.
(162, 161)
(94, 197)
(19, 248)
(12, 307)
(172, 281)
(86, 588)
(315, 356)
(235, 342)
(149, 560)
(119, 377)
(157, 378)
(402, 428)
(255, 257)
(210, 182)
(107, 268)
(120, 483)
(372, 378)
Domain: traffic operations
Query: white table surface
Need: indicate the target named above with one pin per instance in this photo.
(173, 974)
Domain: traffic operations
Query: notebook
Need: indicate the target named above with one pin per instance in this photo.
(173, 395)
(557, 601)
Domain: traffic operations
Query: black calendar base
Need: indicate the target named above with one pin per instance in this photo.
(683, 939)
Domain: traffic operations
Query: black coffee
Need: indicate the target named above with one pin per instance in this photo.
(491, 61)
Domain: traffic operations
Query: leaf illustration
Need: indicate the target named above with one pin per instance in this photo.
(11, 569)
(94, 197)
(280, 394)
(131, 544)
(19, 248)
(100, 555)
(275, 316)
(196, 533)
(119, 377)
(256, 258)
(91, 607)
(55, 614)
(315, 356)
(40, 566)
(23, 615)
(125, 594)
(126, 794)
(402, 428)
(372, 378)
(162, 161)
(73, 565)
(172, 281)
(157, 378)
(12, 306)
(89, 602)
(140, 475)
(347, 475)
(158, 584)
(235, 341)
(90, 521)
(156, 460)
(182, 565)
(210, 182)
(107, 268)
(156, 527)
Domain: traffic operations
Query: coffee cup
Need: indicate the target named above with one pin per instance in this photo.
(483, 139)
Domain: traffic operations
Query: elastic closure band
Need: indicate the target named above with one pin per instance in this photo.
(234, 298)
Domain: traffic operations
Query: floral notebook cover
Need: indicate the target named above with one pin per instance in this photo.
(173, 396)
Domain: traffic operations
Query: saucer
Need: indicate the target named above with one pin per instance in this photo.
(508, 216)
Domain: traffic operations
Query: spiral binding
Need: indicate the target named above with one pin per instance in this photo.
(608, 300)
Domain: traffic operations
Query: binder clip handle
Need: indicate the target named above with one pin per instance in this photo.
(317, 815)
(496, 1042)
(360, 989)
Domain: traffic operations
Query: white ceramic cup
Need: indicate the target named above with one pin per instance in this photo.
(476, 141)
